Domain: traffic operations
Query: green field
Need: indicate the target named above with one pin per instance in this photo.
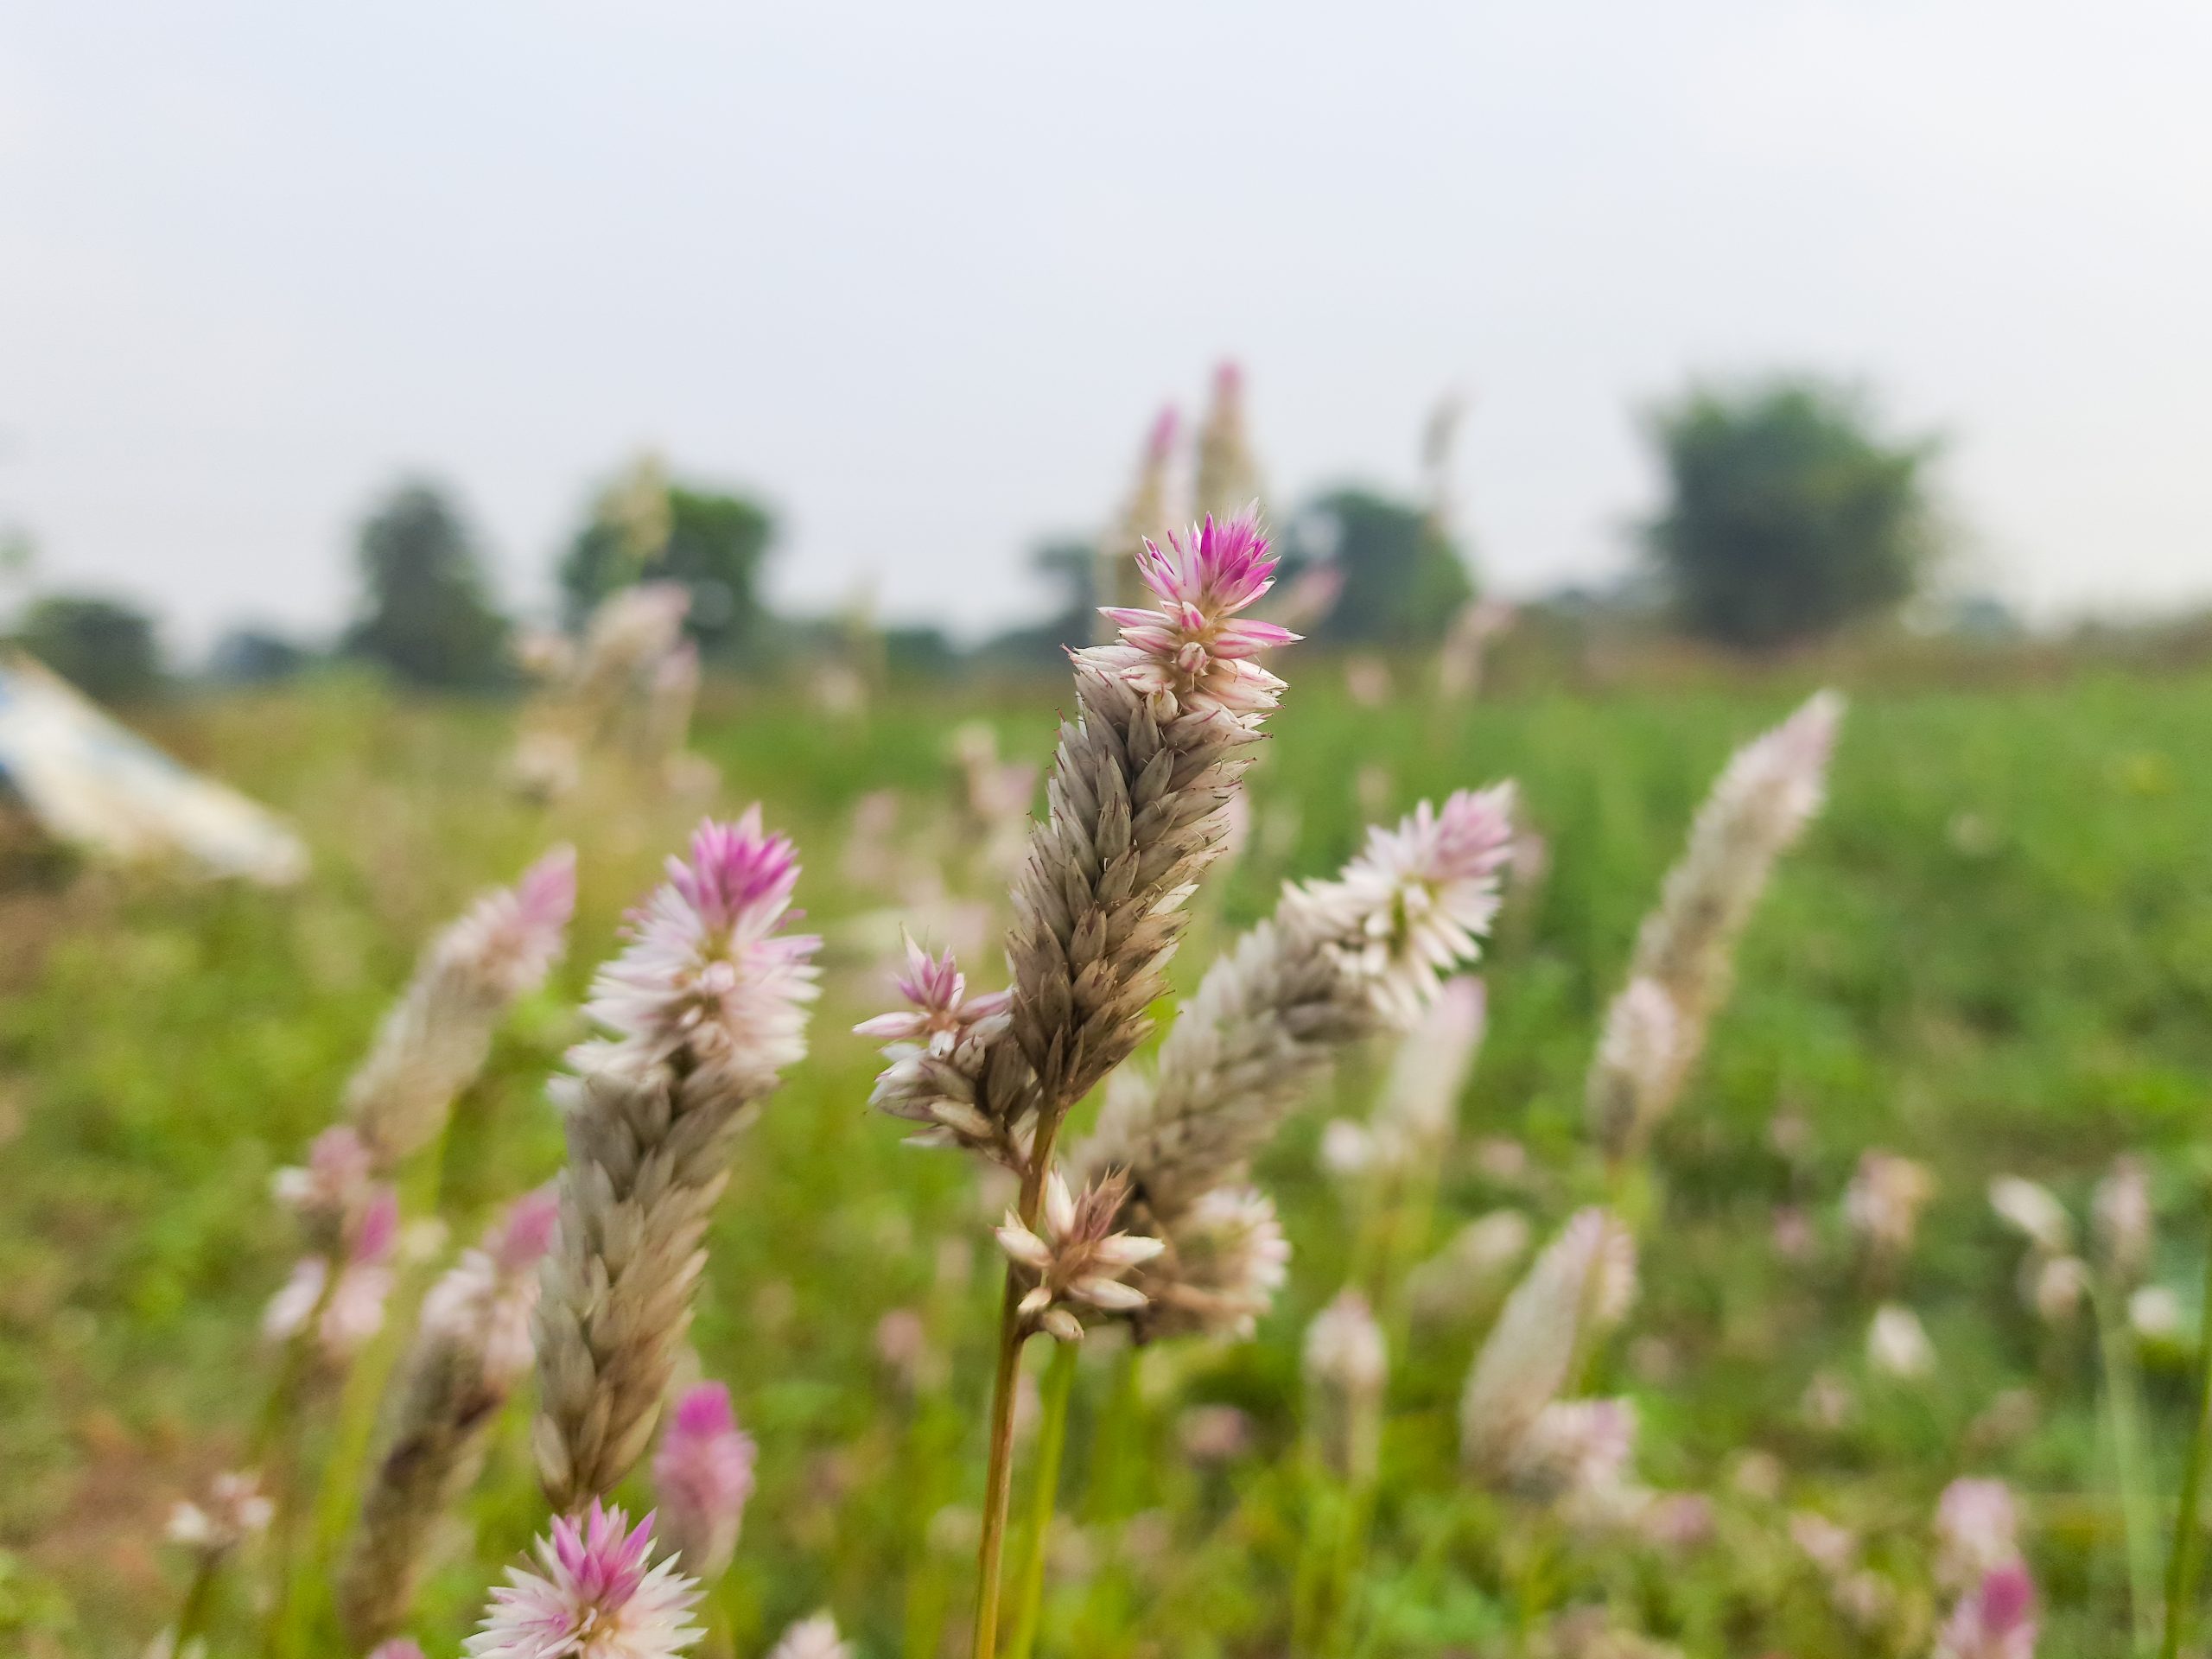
(1993, 952)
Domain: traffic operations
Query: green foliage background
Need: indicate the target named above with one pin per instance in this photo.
(1993, 952)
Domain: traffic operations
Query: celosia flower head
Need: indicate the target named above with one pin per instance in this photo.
(514, 936)
(939, 1009)
(1227, 1258)
(2035, 1211)
(1898, 1345)
(596, 1598)
(707, 967)
(702, 1476)
(1195, 646)
(525, 1232)
(1076, 1256)
(329, 1192)
(812, 1639)
(1420, 896)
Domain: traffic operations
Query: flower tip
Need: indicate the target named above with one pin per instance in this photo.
(526, 1231)
(547, 890)
(704, 1411)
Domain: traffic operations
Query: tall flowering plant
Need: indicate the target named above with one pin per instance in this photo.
(1166, 719)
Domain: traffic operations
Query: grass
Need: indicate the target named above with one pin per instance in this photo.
(1994, 953)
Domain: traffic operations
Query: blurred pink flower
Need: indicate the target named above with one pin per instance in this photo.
(702, 1475)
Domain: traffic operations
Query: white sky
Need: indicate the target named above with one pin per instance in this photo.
(921, 273)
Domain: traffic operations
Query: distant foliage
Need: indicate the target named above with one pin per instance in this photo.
(1788, 516)
(648, 530)
(1403, 580)
(105, 648)
(426, 613)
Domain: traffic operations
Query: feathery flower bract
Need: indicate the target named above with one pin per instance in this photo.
(595, 1598)
(702, 1475)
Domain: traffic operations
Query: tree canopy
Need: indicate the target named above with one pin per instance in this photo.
(426, 613)
(646, 528)
(1788, 515)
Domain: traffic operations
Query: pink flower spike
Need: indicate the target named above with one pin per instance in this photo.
(1161, 441)
(545, 897)
(596, 1599)
(1214, 573)
(702, 1476)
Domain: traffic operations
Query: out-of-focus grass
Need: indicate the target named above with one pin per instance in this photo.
(1993, 952)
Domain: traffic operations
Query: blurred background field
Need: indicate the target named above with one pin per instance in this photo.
(1994, 953)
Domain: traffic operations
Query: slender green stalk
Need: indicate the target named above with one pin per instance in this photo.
(1052, 1442)
(2123, 1410)
(198, 1599)
(998, 1472)
(2188, 1539)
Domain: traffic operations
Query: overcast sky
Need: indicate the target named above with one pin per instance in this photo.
(920, 273)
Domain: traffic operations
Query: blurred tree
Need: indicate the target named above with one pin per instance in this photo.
(1788, 516)
(1403, 579)
(426, 615)
(646, 528)
(105, 647)
(253, 656)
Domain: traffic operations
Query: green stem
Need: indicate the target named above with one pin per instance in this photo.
(198, 1599)
(2122, 1409)
(1052, 1441)
(2181, 1565)
(998, 1471)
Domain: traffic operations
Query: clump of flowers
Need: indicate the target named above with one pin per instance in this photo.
(1994, 1620)
(340, 1309)
(1074, 1259)
(595, 1597)
(701, 1012)
(1883, 1206)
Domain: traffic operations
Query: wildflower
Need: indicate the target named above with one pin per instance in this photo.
(1977, 1531)
(702, 1008)
(1346, 1367)
(1575, 1449)
(1419, 898)
(1831, 1548)
(596, 1598)
(1885, 1199)
(812, 1639)
(941, 1048)
(434, 1040)
(1995, 1620)
(2121, 1210)
(702, 1475)
(1898, 1345)
(1631, 1085)
(472, 1347)
(1225, 1258)
(1761, 802)
(2035, 1211)
(1339, 960)
(329, 1193)
(398, 1648)
(234, 1511)
(347, 1314)
(1679, 1521)
(1078, 1260)
(1579, 1287)
(1228, 475)
(1144, 515)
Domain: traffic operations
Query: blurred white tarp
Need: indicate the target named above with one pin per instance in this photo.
(91, 783)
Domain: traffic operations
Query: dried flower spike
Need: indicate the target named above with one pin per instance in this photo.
(703, 1009)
